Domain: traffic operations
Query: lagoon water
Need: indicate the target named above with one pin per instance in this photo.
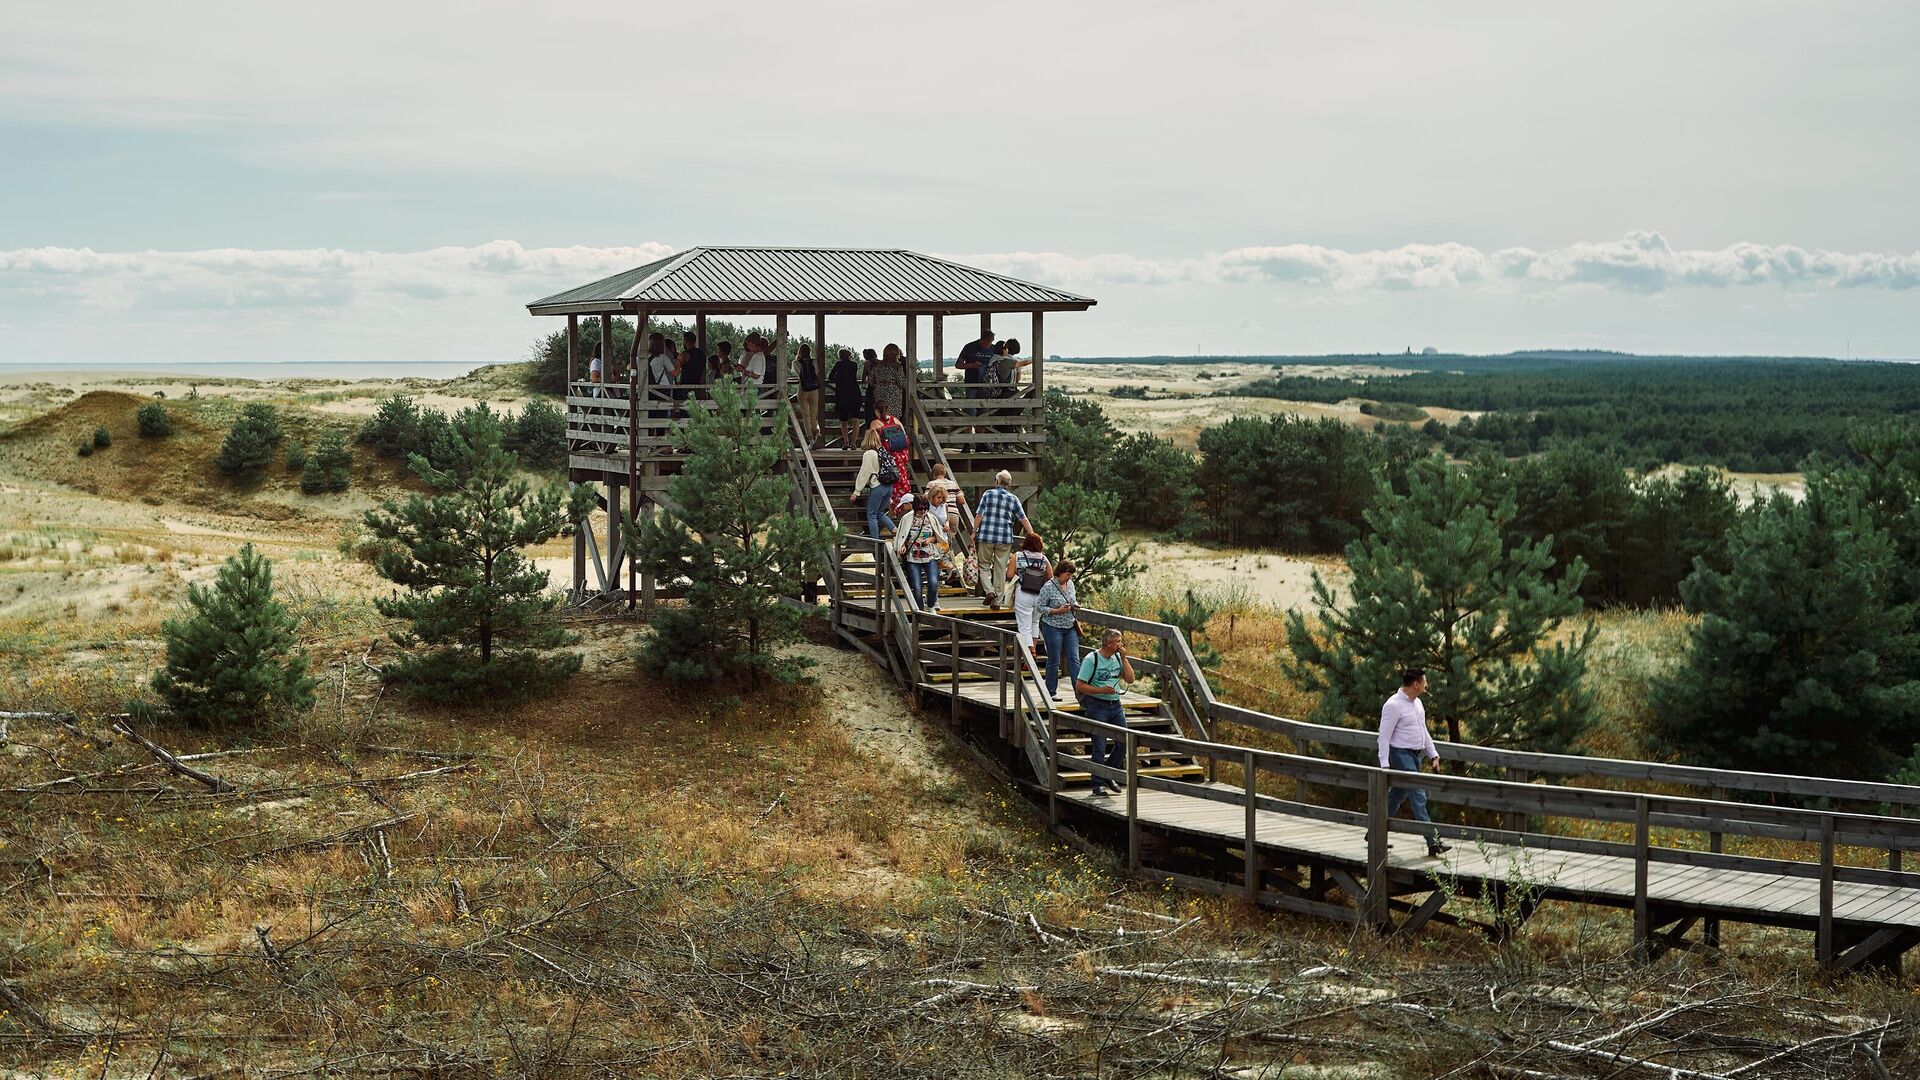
(278, 369)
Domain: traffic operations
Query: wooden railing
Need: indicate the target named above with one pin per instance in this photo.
(966, 423)
(812, 494)
(599, 415)
(1026, 709)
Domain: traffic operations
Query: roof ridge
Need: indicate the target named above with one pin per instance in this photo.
(992, 274)
(670, 264)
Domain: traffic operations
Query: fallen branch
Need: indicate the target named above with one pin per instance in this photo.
(167, 758)
(37, 1020)
(333, 839)
(65, 720)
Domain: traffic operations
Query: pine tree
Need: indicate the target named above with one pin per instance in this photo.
(328, 468)
(1437, 586)
(1803, 659)
(1191, 618)
(232, 657)
(472, 597)
(540, 435)
(737, 543)
(1081, 525)
(250, 442)
(393, 429)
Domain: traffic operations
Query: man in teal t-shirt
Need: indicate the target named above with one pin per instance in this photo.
(1097, 684)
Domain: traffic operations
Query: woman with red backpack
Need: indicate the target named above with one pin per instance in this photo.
(894, 443)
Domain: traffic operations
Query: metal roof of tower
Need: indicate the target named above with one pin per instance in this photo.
(770, 280)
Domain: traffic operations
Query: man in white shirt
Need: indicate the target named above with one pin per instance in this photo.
(756, 365)
(1404, 742)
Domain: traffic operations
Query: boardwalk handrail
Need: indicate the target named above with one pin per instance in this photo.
(813, 495)
(1523, 760)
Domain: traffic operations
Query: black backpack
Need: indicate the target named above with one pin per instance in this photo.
(889, 473)
(1033, 573)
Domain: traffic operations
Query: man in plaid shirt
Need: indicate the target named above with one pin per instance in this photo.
(993, 536)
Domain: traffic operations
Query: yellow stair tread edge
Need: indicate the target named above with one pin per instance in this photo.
(1161, 771)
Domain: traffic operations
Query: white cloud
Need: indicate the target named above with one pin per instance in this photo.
(461, 302)
(1640, 262)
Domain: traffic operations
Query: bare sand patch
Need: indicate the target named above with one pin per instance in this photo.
(1270, 579)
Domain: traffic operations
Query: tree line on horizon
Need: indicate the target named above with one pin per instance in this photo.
(1751, 415)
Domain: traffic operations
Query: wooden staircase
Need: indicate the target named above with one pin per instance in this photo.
(869, 596)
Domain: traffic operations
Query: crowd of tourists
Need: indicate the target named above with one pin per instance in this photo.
(853, 392)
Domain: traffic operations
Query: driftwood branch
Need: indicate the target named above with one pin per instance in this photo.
(173, 762)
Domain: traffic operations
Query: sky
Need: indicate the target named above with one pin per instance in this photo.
(361, 181)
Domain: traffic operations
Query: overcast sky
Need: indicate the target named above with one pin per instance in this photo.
(353, 180)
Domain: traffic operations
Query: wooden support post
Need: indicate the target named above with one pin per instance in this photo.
(633, 470)
(1000, 641)
(822, 363)
(986, 323)
(580, 558)
(1823, 942)
(1515, 820)
(1038, 345)
(606, 346)
(939, 349)
(1710, 926)
(1252, 871)
(1642, 904)
(573, 350)
(1133, 803)
(700, 339)
(1053, 768)
(1377, 895)
(647, 581)
(913, 356)
(613, 534)
(781, 366)
(953, 688)
(1893, 859)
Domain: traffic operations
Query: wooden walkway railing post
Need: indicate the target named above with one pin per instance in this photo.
(1823, 941)
(1133, 806)
(1000, 640)
(1642, 909)
(1716, 842)
(1376, 900)
(1252, 849)
(953, 687)
(1053, 773)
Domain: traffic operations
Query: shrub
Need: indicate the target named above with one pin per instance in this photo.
(154, 421)
(296, 455)
(231, 656)
(248, 447)
(102, 438)
(86, 449)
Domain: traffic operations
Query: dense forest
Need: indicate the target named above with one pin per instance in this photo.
(1748, 415)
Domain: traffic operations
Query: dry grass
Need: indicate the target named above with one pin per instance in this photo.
(624, 879)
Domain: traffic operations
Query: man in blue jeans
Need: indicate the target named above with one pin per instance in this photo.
(1097, 684)
(1404, 742)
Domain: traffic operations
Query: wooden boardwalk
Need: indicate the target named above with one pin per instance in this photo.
(1310, 832)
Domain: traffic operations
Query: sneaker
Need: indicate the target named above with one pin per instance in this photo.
(1100, 792)
(1055, 697)
(1436, 850)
